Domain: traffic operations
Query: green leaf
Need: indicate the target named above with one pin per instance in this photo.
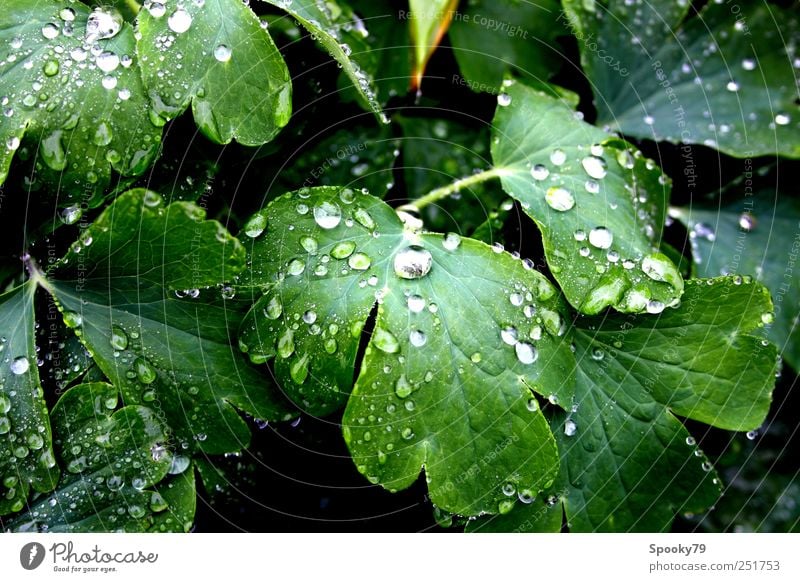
(490, 39)
(629, 463)
(755, 235)
(230, 70)
(598, 202)
(330, 24)
(536, 515)
(428, 22)
(432, 392)
(74, 93)
(26, 449)
(171, 352)
(113, 460)
(722, 78)
(179, 494)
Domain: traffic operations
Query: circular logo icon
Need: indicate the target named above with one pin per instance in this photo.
(31, 555)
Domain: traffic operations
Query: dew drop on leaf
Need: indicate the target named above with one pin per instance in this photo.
(526, 353)
(601, 237)
(222, 53)
(179, 21)
(20, 365)
(327, 215)
(413, 262)
(559, 198)
(385, 340)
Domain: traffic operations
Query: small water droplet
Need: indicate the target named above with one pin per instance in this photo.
(539, 172)
(504, 99)
(222, 53)
(451, 241)
(417, 338)
(596, 167)
(343, 249)
(20, 365)
(570, 428)
(385, 341)
(601, 237)
(415, 303)
(558, 157)
(526, 353)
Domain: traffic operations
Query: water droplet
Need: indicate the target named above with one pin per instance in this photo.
(595, 167)
(107, 61)
(654, 306)
(256, 225)
(648, 120)
(767, 318)
(747, 221)
(179, 464)
(415, 303)
(601, 237)
(20, 365)
(539, 172)
(413, 262)
(359, 262)
(407, 433)
(72, 319)
(558, 157)
(782, 119)
(451, 241)
(659, 268)
(504, 99)
(509, 335)
(5, 403)
(748, 64)
(51, 68)
(598, 354)
(751, 434)
(296, 267)
(119, 339)
(364, 218)
(104, 22)
(50, 31)
(570, 428)
(385, 341)
(144, 371)
(286, 343)
(309, 243)
(179, 21)
(417, 338)
(156, 9)
(691, 441)
(222, 53)
(310, 317)
(732, 86)
(327, 215)
(403, 387)
(505, 506)
(559, 199)
(343, 249)
(526, 353)
(625, 159)
(274, 308)
(298, 369)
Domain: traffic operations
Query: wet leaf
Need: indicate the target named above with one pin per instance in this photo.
(148, 292)
(26, 449)
(75, 93)
(598, 203)
(230, 70)
(753, 236)
(725, 78)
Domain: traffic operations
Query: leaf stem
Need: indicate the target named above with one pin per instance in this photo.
(457, 186)
(36, 275)
(133, 6)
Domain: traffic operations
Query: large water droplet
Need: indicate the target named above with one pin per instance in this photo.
(179, 21)
(539, 172)
(509, 335)
(343, 249)
(403, 387)
(104, 22)
(298, 369)
(595, 167)
(20, 365)
(417, 338)
(327, 215)
(415, 303)
(558, 157)
(526, 353)
(413, 262)
(359, 262)
(274, 308)
(504, 99)
(570, 428)
(222, 53)
(559, 198)
(601, 237)
(144, 371)
(451, 241)
(256, 225)
(385, 341)
(119, 339)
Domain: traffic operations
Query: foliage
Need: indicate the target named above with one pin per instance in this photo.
(453, 265)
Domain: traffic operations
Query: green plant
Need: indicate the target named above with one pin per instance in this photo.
(537, 385)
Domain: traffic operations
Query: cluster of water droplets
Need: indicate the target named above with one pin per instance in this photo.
(58, 65)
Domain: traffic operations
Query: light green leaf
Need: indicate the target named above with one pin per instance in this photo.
(74, 93)
(113, 458)
(446, 380)
(229, 69)
(722, 78)
(757, 236)
(26, 449)
(428, 23)
(166, 350)
(598, 202)
(333, 26)
(491, 38)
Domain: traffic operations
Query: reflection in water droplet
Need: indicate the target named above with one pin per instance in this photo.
(222, 53)
(413, 262)
(601, 237)
(559, 199)
(327, 215)
(179, 21)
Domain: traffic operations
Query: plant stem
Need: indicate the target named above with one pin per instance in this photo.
(457, 186)
(133, 6)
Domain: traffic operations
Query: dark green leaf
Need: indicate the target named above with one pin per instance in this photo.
(757, 235)
(431, 387)
(170, 352)
(75, 93)
(26, 448)
(113, 460)
(724, 78)
(599, 204)
(492, 38)
(230, 70)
